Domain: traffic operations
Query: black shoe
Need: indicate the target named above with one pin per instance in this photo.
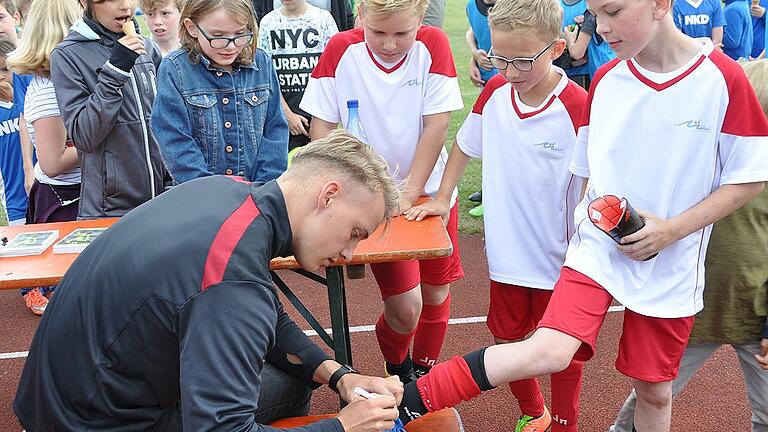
(476, 197)
(404, 370)
(420, 370)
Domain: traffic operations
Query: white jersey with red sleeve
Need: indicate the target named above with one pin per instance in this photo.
(392, 100)
(664, 141)
(529, 195)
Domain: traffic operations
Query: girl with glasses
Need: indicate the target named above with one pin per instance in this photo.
(218, 104)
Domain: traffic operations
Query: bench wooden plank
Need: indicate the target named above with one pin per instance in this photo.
(447, 420)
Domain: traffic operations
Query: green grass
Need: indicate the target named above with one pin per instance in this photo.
(455, 26)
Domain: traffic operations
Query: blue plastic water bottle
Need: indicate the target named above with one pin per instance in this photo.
(354, 125)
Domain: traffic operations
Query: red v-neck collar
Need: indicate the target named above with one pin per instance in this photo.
(669, 83)
(555, 93)
(381, 66)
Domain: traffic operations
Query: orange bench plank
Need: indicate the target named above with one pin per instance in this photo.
(446, 420)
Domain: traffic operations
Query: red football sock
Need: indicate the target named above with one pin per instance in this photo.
(447, 384)
(529, 397)
(566, 387)
(394, 346)
(430, 333)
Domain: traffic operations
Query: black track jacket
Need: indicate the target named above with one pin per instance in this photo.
(172, 310)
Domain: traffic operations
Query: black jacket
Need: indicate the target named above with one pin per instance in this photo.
(172, 306)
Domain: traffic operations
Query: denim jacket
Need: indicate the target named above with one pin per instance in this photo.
(209, 121)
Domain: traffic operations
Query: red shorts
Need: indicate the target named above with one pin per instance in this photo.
(515, 310)
(399, 277)
(650, 348)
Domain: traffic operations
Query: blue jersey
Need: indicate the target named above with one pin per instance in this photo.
(697, 19)
(20, 84)
(11, 163)
(598, 51)
(477, 13)
(758, 32)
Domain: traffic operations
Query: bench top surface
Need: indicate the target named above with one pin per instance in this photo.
(400, 240)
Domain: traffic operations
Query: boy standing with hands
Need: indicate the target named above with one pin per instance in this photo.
(645, 118)
(403, 75)
(528, 112)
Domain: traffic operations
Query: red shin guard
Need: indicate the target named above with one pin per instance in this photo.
(529, 397)
(566, 387)
(447, 384)
(394, 346)
(430, 333)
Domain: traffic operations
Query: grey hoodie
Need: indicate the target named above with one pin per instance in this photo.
(106, 112)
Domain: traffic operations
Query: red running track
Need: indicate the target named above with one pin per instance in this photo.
(715, 400)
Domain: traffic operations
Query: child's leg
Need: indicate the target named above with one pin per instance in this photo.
(694, 357)
(566, 388)
(400, 290)
(570, 326)
(511, 317)
(432, 326)
(756, 380)
(650, 351)
(436, 277)
(653, 412)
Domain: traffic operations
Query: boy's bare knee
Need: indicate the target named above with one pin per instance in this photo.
(402, 319)
(657, 395)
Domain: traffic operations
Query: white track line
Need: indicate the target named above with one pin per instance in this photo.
(355, 329)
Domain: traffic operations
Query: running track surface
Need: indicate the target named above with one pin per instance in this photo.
(715, 400)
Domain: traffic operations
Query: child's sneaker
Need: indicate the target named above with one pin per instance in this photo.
(538, 424)
(36, 301)
(476, 211)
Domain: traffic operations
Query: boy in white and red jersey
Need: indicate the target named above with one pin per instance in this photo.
(523, 126)
(404, 78)
(684, 157)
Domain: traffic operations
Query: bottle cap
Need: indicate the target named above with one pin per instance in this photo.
(352, 103)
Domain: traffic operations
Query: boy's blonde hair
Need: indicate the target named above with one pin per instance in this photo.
(388, 7)
(9, 6)
(757, 74)
(343, 153)
(543, 17)
(48, 23)
(241, 10)
(153, 5)
(21, 5)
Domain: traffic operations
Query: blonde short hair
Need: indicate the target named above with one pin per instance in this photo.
(543, 17)
(388, 7)
(343, 153)
(241, 10)
(153, 5)
(47, 25)
(21, 5)
(757, 74)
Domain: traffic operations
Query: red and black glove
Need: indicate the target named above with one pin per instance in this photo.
(614, 216)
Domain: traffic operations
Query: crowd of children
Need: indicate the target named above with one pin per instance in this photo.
(96, 120)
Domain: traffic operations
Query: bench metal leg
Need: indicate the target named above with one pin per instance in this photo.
(339, 319)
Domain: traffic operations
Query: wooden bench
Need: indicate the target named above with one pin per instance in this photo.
(446, 420)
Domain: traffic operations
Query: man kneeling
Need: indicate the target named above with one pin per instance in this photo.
(167, 320)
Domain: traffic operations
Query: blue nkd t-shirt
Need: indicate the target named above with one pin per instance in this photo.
(697, 19)
(11, 162)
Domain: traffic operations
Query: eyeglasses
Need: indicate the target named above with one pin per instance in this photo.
(220, 42)
(523, 64)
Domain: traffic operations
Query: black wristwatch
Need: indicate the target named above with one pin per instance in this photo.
(336, 376)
